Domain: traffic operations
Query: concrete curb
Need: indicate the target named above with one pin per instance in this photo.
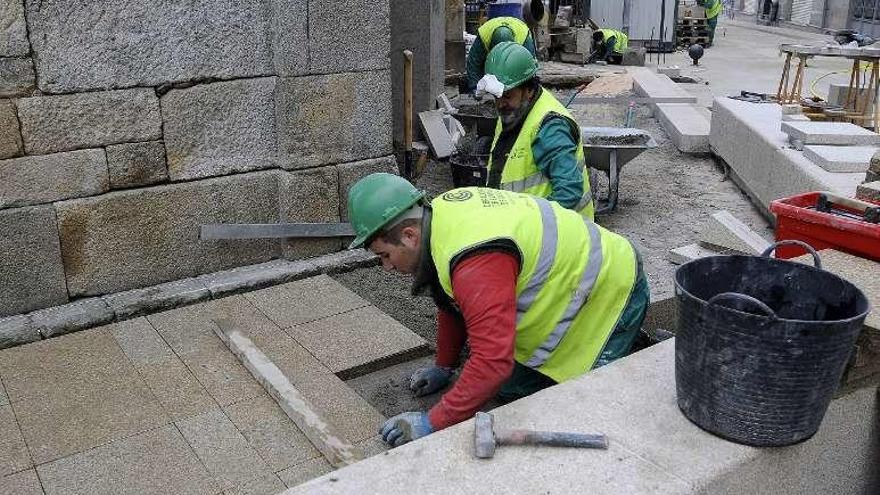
(87, 313)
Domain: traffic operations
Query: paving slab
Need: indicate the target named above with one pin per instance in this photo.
(21, 483)
(686, 126)
(724, 231)
(271, 433)
(649, 84)
(176, 389)
(140, 342)
(14, 455)
(223, 449)
(305, 300)
(358, 341)
(840, 158)
(76, 392)
(154, 462)
(690, 252)
(267, 485)
(296, 475)
(354, 418)
(842, 133)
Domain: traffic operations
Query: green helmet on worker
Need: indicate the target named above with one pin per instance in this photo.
(376, 201)
(502, 34)
(512, 64)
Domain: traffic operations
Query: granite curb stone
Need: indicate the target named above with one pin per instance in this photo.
(840, 133)
(17, 330)
(137, 302)
(840, 158)
(72, 317)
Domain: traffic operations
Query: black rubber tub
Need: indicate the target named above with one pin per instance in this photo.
(761, 345)
(469, 170)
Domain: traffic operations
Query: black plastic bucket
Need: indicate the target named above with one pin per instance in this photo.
(761, 345)
(469, 170)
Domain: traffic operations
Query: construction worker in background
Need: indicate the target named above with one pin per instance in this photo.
(609, 45)
(540, 294)
(713, 9)
(537, 145)
(492, 32)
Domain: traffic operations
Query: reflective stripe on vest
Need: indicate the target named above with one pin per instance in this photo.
(585, 287)
(520, 30)
(545, 259)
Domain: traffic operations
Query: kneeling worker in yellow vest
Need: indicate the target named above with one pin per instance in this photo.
(537, 147)
(541, 294)
(609, 45)
(491, 33)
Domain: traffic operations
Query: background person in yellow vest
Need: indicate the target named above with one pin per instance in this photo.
(713, 9)
(540, 294)
(492, 32)
(609, 45)
(537, 145)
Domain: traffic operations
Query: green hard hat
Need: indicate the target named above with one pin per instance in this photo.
(511, 63)
(502, 34)
(376, 200)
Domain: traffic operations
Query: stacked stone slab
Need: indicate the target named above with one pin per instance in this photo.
(123, 127)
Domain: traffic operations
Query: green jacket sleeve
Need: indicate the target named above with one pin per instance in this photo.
(476, 60)
(529, 44)
(555, 152)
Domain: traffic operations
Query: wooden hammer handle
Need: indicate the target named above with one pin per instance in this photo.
(552, 438)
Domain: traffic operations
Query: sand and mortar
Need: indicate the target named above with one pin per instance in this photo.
(665, 199)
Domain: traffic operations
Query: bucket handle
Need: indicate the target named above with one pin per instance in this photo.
(736, 295)
(816, 261)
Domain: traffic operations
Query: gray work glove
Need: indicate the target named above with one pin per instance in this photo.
(428, 380)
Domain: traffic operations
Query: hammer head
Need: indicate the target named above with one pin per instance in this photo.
(484, 435)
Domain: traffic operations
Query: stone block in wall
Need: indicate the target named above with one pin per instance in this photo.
(140, 237)
(349, 173)
(10, 134)
(220, 128)
(30, 260)
(136, 164)
(309, 196)
(290, 37)
(78, 44)
(333, 118)
(16, 77)
(346, 35)
(31, 180)
(13, 32)
(88, 120)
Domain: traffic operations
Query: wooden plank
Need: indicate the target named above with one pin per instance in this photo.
(322, 434)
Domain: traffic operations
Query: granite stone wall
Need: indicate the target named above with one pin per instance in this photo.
(125, 125)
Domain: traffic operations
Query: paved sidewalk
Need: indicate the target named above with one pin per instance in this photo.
(159, 405)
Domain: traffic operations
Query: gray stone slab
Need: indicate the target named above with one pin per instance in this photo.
(16, 77)
(30, 267)
(129, 304)
(366, 43)
(267, 485)
(649, 84)
(222, 448)
(840, 158)
(842, 133)
(434, 130)
(72, 317)
(10, 133)
(17, 330)
(690, 252)
(309, 196)
(271, 433)
(50, 124)
(172, 43)
(687, 127)
(136, 164)
(176, 389)
(14, 455)
(13, 33)
(354, 418)
(349, 173)
(358, 341)
(142, 237)
(373, 446)
(32, 180)
(220, 128)
(21, 483)
(724, 231)
(333, 118)
(76, 392)
(296, 475)
(289, 26)
(140, 342)
(155, 462)
(305, 300)
(253, 277)
(869, 191)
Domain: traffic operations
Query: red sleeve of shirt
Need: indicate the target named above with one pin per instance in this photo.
(451, 337)
(485, 290)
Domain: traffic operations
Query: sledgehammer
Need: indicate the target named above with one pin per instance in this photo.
(486, 438)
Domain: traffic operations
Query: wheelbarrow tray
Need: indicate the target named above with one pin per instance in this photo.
(626, 143)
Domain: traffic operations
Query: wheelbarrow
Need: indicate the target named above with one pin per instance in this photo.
(610, 148)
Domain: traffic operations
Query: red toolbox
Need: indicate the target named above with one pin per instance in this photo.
(798, 218)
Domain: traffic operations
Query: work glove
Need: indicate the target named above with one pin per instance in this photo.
(489, 84)
(405, 427)
(428, 380)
